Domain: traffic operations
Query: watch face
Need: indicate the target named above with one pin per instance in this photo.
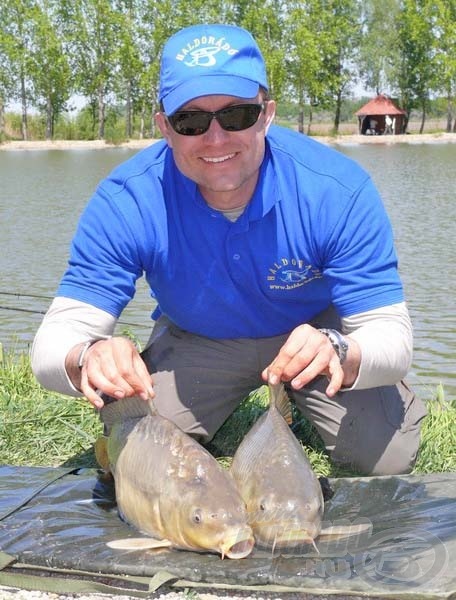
(343, 347)
(339, 343)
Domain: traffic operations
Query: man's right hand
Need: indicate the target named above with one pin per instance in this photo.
(112, 366)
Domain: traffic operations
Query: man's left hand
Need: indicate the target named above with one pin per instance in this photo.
(308, 353)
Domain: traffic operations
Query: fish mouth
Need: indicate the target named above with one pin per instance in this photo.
(239, 548)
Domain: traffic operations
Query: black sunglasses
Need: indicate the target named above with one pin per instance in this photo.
(232, 118)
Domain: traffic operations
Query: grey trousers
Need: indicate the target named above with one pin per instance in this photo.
(200, 381)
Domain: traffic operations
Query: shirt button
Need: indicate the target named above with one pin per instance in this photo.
(236, 256)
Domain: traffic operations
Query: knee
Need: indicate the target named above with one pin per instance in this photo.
(397, 458)
(382, 437)
(400, 455)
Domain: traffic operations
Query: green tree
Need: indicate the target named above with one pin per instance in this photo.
(50, 73)
(445, 56)
(7, 76)
(162, 18)
(416, 68)
(341, 23)
(378, 43)
(324, 36)
(130, 63)
(92, 31)
(305, 61)
(16, 18)
(265, 21)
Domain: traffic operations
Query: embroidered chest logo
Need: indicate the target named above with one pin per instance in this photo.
(291, 273)
(202, 52)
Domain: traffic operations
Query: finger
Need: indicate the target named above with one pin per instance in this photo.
(116, 369)
(310, 361)
(317, 366)
(306, 354)
(336, 377)
(132, 372)
(89, 392)
(287, 358)
(143, 384)
(332, 369)
(104, 373)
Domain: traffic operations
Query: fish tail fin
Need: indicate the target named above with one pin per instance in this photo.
(128, 408)
(101, 452)
(278, 397)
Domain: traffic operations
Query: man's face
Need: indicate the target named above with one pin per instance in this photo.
(224, 164)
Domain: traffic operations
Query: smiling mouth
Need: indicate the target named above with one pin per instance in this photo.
(218, 159)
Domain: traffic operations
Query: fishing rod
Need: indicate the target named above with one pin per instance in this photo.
(43, 312)
(21, 295)
(26, 310)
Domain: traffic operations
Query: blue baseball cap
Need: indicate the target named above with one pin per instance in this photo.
(210, 59)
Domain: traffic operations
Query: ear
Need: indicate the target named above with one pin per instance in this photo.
(269, 113)
(165, 128)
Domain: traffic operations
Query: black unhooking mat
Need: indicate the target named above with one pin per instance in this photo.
(54, 525)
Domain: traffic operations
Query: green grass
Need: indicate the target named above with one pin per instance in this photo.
(438, 436)
(38, 427)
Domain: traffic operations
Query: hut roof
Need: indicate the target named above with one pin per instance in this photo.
(381, 105)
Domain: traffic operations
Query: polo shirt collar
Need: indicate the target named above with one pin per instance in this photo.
(266, 193)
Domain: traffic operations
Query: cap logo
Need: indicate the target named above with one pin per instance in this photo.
(201, 52)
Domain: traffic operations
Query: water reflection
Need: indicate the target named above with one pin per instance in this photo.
(417, 185)
(43, 193)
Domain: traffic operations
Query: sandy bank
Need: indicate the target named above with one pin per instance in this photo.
(425, 138)
(73, 145)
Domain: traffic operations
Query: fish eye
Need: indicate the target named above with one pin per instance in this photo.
(197, 516)
(262, 506)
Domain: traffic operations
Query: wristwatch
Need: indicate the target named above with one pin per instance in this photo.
(83, 352)
(339, 343)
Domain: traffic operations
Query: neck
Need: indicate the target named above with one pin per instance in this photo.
(228, 206)
(229, 199)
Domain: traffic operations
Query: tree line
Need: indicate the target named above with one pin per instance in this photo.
(316, 51)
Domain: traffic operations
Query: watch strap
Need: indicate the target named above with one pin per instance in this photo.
(84, 351)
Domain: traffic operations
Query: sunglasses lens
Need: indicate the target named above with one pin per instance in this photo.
(233, 118)
(190, 122)
(237, 118)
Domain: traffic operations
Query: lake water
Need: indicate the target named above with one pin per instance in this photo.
(43, 192)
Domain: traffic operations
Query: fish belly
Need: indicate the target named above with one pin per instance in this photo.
(140, 472)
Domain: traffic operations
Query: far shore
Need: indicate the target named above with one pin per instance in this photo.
(413, 138)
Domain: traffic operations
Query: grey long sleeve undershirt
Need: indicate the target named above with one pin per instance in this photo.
(384, 336)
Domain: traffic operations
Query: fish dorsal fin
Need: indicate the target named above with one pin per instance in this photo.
(128, 408)
(278, 397)
(138, 544)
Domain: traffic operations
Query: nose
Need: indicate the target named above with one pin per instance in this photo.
(215, 133)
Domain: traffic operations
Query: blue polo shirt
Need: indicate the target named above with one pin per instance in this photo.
(315, 233)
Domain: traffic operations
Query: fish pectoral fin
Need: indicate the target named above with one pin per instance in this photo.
(138, 544)
(338, 532)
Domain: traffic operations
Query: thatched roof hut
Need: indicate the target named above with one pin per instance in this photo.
(380, 116)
